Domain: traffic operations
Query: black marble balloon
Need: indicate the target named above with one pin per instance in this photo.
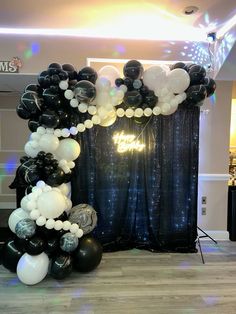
(133, 69)
(85, 91)
(69, 242)
(210, 86)
(197, 74)
(88, 74)
(33, 125)
(196, 94)
(25, 228)
(30, 103)
(49, 119)
(85, 216)
(61, 266)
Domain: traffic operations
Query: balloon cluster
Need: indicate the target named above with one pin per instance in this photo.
(49, 235)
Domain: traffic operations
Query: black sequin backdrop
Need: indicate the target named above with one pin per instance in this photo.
(143, 199)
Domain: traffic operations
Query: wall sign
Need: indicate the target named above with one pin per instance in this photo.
(11, 66)
(127, 142)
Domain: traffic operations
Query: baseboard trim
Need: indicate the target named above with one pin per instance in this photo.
(219, 235)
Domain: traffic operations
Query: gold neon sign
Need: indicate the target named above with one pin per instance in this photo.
(127, 142)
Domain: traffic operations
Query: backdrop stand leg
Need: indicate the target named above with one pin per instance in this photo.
(199, 243)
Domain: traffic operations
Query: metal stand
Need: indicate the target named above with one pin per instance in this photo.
(199, 243)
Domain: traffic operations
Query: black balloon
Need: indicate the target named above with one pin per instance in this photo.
(210, 86)
(133, 98)
(29, 172)
(33, 88)
(29, 103)
(150, 99)
(49, 119)
(44, 79)
(54, 68)
(85, 91)
(119, 82)
(61, 266)
(56, 178)
(53, 246)
(11, 255)
(88, 255)
(51, 99)
(35, 245)
(197, 74)
(196, 94)
(179, 65)
(22, 112)
(128, 82)
(133, 69)
(33, 125)
(144, 90)
(88, 74)
(72, 74)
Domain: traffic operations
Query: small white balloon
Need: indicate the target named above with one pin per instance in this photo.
(138, 112)
(66, 225)
(17, 215)
(40, 184)
(71, 164)
(123, 88)
(41, 130)
(63, 85)
(41, 221)
(88, 124)
(24, 202)
(83, 107)
(92, 110)
(34, 214)
(58, 225)
(65, 132)
(73, 130)
(120, 112)
(96, 119)
(50, 224)
(30, 151)
(147, 112)
(35, 136)
(49, 131)
(74, 228)
(32, 269)
(69, 94)
(79, 233)
(129, 113)
(57, 133)
(80, 127)
(156, 110)
(74, 103)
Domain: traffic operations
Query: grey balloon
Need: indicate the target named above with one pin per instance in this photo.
(69, 242)
(85, 216)
(25, 228)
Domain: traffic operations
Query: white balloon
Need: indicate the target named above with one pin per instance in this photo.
(178, 81)
(17, 215)
(102, 84)
(65, 188)
(49, 143)
(31, 151)
(23, 203)
(110, 72)
(32, 269)
(155, 77)
(68, 149)
(51, 204)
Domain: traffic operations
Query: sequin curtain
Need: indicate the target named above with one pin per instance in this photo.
(144, 199)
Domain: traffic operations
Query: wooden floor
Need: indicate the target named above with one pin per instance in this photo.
(137, 282)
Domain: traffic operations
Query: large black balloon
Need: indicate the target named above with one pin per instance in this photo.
(33, 88)
(88, 255)
(88, 74)
(133, 98)
(11, 255)
(72, 74)
(35, 245)
(29, 172)
(133, 69)
(85, 91)
(61, 266)
(54, 68)
(51, 98)
(196, 94)
(56, 178)
(23, 112)
(197, 74)
(210, 86)
(49, 119)
(44, 79)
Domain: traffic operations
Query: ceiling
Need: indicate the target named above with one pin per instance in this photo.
(97, 14)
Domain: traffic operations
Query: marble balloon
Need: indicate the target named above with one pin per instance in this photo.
(25, 228)
(69, 242)
(85, 216)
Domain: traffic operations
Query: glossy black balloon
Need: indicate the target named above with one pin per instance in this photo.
(54, 68)
(35, 245)
(88, 74)
(33, 125)
(150, 99)
(63, 75)
(29, 171)
(144, 90)
(56, 178)
(133, 98)
(51, 99)
(61, 266)
(128, 82)
(11, 255)
(33, 88)
(53, 246)
(119, 82)
(72, 74)
(41, 155)
(197, 74)
(88, 255)
(63, 217)
(49, 119)
(23, 112)
(44, 79)
(196, 94)
(179, 65)
(133, 69)
(210, 86)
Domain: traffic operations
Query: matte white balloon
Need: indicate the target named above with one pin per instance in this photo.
(178, 81)
(32, 269)
(109, 120)
(65, 188)
(51, 204)
(31, 151)
(155, 77)
(68, 149)
(49, 143)
(17, 215)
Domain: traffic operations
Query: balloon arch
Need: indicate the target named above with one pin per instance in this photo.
(51, 235)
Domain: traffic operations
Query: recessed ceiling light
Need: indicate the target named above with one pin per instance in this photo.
(190, 10)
